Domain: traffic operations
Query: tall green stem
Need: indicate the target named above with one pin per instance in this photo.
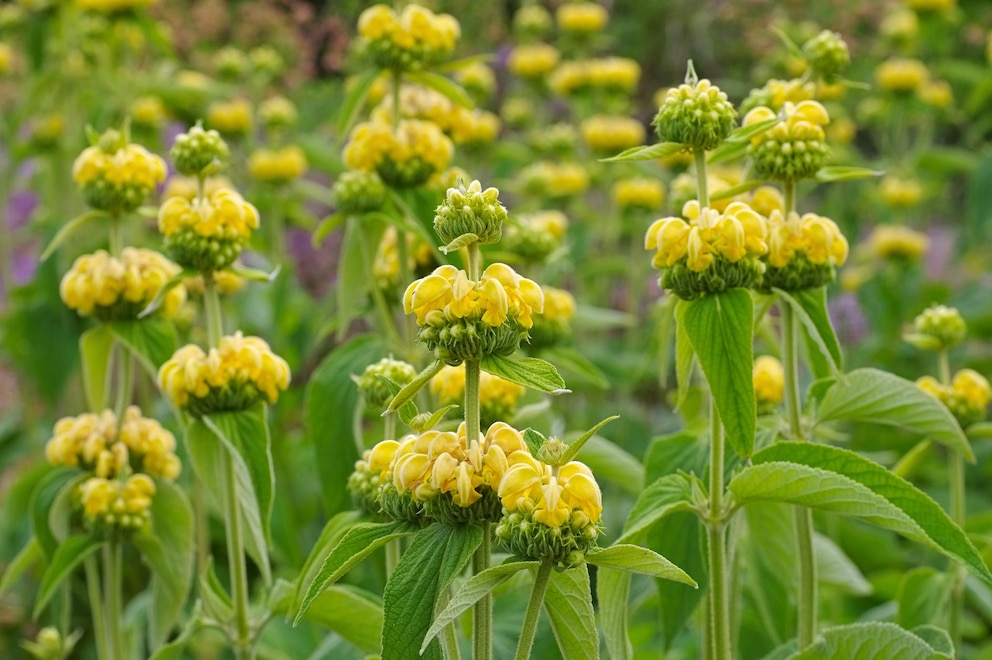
(96, 605)
(113, 566)
(716, 533)
(125, 381)
(956, 482)
(116, 236)
(381, 306)
(803, 516)
(533, 614)
(789, 197)
(212, 310)
(482, 613)
(702, 182)
(236, 561)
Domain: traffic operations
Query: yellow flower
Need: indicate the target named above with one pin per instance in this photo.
(113, 288)
(897, 242)
(554, 324)
(232, 376)
(570, 77)
(185, 186)
(226, 281)
(277, 166)
(581, 17)
(223, 214)
(497, 396)
(769, 382)
(794, 148)
(901, 25)
(386, 266)
(555, 179)
(936, 93)
(277, 112)
(901, 193)
(230, 117)
(639, 193)
(409, 40)
(112, 505)
(148, 111)
(967, 397)
(533, 487)
(901, 75)
(973, 388)
(766, 199)
(817, 238)
(477, 78)
(406, 157)
(612, 134)
(533, 61)
(6, 58)
(118, 179)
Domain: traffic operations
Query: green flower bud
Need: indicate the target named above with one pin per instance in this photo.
(797, 275)
(231, 63)
(375, 392)
(721, 275)
(401, 506)
(941, 326)
(457, 340)
(566, 545)
(359, 192)
(827, 54)
(470, 210)
(363, 486)
(695, 114)
(197, 149)
(202, 253)
(443, 509)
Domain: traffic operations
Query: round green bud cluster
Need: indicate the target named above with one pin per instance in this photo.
(797, 275)
(531, 241)
(443, 509)
(231, 63)
(375, 392)
(197, 149)
(470, 210)
(789, 159)
(363, 486)
(457, 340)
(266, 61)
(406, 174)
(721, 275)
(827, 54)
(942, 325)
(566, 545)
(234, 395)
(696, 115)
(359, 192)
(202, 253)
(401, 506)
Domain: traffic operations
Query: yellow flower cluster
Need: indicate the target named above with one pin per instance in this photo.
(231, 118)
(277, 165)
(639, 193)
(769, 382)
(559, 305)
(386, 266)
(610, 73)
(111, 6)
(718, 180)
(109, 504)
(226, 281)
(554, 324)
(118, 288)
(497, 396)
(478, 80)
(459, 123)
(148, 111)
(901, 75)
(569, 494)
(766, 199)
(535, 236)
(813, 236)
(581, 17)
(409, 39)
(96, 442)
(222, 214)
(479, 127)
(776, 93)
(500, 294)
(931, 5)
(610, 134)
(533, 61)
(794, 148)
(406, 157)
(555, 179)
(898, 242)
(232, 376)
(119, 179)
(6, 58)
(733, 234)
(967, 397)
(277, 112)
(901, 193)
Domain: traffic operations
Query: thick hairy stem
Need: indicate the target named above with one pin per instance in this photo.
(96, 605)
(533, 614)
(236, 561)
(716, 531)
(482, 612)
(211, 307)
(113, 566)
(701, 181)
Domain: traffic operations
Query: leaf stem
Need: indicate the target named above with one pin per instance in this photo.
(96, 605)
(482, 612)
(125, 381)
(212, 310)
(112, 568)
(716, 532)
(533, 614)
(236, 561)
(116, 237)
(789, 197)
(944, 367)
(701, 181)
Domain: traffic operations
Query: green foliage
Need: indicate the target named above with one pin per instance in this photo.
(869, 640)
(95, 347)
(568, 603)
(532, 373)
(70, 554)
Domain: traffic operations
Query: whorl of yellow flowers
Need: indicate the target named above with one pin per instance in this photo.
(554, 324)
(533, 61)
(610, 134)
(776, 93)
(802, 251)
(232, 118)
(405, 157)
(235, 375)
(644, 193)
(277, 165)
(117, 177)
(581, 17)
(207, 233)
(901, 75)
(897, 242)
(769, 382)
(113, 507)
(967, 397)
(119, 288)
(795, 147)
(408, 40)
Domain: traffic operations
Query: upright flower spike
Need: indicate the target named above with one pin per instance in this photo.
(795, 148)
(112, 288)
(404, 158)
(207, 234)
(116, 176)
(470, 210)
(235, 375)
(497, 397)
(803, 252)
(695, 114)
(198, 152)
(768, 378)
(410, 40)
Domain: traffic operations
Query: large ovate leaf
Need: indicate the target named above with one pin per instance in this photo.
(568, 603)
(869, 641)
(613, 592)
(361, 236)
(48, 490)
(872, 395)
(353, 613)
(922, 596)
(473, 590)
(167, 548)
(636, 559)
(451, 90)
(28, 556)
(810, 307)
(356, 544)
(669, 494)
(720, 328)
(152, 341)
(329, 537)
(768, 549)
(533, 373)
(835, 568)
(647, 152)
(94, 348)
(680, 537)
(901, 502)
(436, 556)
(67, 557)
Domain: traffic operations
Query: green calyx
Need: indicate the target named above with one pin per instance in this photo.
(202, 253)
(797, 275)
(199, 152)
(359, 192)
(470, 210)
(721, 275)
(230, 397)
(565, 546)
(442, 508)
(455, 341)
(113, 198)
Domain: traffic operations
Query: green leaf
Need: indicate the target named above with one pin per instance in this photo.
(576, 366)
(356, 544)
(329, 427)
(450, 89)
(669, 494)
(428, 420)
(810, 306)
(329, 537)
(613, 592)
(871, 395)
(568, 603)
(29, 555)
(455, 65)
(326, 226)
(216, 602)
(901, 501)
(175, 650)
(353, 102)
(922, 597)
(151, 341)
(437, 555)
(685, 356)
(720, 329)
(409, 409)
(745, 133)
(867, 641)
(94, 347)
(530, 372)
(168, 550)
(979, 430)
(936, 638)
(647, 152)
(410, 390)
(43, 499)
(768, 549)
(835, 568)
(636, 559)
(534, 439)
(471, 591)
(611, 463)
(361, 236)
(727, 151)
(70, 228)
(739, 189)
(576, 445)
(256, 275)
(169, 285)
(353, 613)
(462, 241)
(67, 557)
(845, 173)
